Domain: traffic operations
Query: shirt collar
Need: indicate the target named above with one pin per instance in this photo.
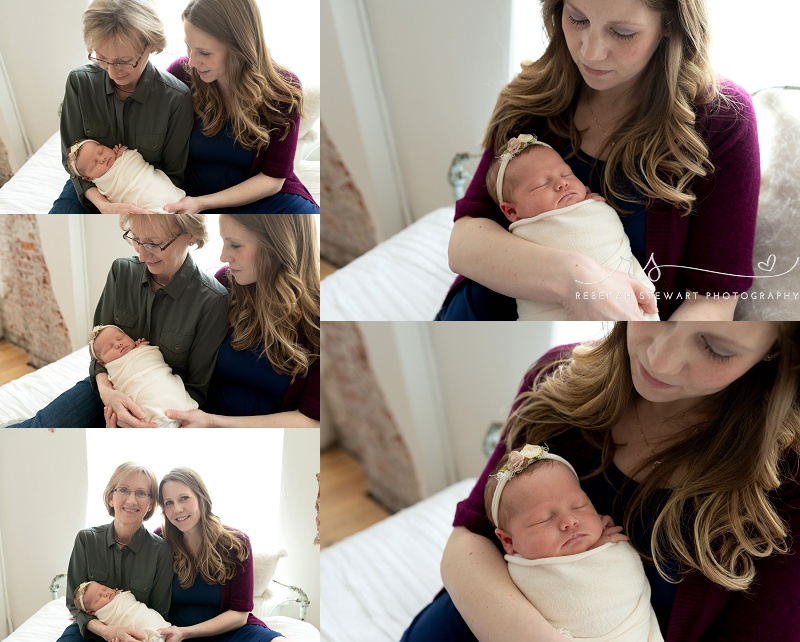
(143, 87)
(136, 541)
(179, 281)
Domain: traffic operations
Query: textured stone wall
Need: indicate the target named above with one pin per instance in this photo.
(30, 313)
(347, 229)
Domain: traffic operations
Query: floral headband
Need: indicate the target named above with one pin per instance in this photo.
(519, 460)
(81, 592)
(514, 147)
(96, 330)
(72, 155)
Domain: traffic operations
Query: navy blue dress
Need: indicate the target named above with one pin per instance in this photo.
(200, 602)
(244, 384)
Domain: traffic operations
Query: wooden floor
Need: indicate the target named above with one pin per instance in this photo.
(13, 362)
(345, 508)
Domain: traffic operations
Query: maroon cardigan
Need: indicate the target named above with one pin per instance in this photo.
(718, 236)
(702, 611)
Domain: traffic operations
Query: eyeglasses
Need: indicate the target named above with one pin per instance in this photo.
(126, 492)
(150, 247)
(105, 64)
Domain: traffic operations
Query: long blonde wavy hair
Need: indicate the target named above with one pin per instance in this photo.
(223, 550)
(261, 91)
(725, 471)
(656, 147)
(281, 309)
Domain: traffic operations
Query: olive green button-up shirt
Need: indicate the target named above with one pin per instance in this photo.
(156, 119)
(143, 567)
(187, 319)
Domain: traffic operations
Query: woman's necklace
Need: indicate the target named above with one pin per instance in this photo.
(596, 122)
(641, 432)
(157, 282)
(126, 91)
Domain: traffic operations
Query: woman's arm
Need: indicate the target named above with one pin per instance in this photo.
(246, 192)
(200, 419)
(224, 622)
(104, 206)
(115, 633)
(483, 251)
(477, 579)
(697, 307)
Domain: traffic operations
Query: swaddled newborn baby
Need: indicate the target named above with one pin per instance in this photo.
(119, 608)
(122, 175)
(571, 564)
(138, 370)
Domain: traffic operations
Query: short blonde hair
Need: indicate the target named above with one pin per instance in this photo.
(133, 22)
(122, 471)
(194, 224)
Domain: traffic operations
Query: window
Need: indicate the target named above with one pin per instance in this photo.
(240, 468)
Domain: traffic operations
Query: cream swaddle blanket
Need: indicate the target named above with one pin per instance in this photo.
(601, 594)
(589, 227)
(145, 377)
(131, 179)
(126, 610)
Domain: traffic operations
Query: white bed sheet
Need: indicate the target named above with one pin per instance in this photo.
(49, 622)
(37, 184)
(23, 397)
(404, 278)
(376, 581)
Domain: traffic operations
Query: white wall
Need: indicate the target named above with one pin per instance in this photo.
(79, 250)
(41, 42)
(439, 66)
(42, 486)
(298, 516)
(445, 383)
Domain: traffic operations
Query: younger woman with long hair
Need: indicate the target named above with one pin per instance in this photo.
(267, 371)
(247, 109)
(212, 591)
(688, 436)
(626, 94)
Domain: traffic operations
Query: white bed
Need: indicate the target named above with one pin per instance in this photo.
(407, 276)
(23, 397)
(362, 604)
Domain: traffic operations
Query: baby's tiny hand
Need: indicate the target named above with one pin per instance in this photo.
(141, 342)
(611, 534)
(119, 149)
(595, 197)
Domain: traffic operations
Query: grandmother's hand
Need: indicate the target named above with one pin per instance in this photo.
(124, 412)
(121, 208)
(123, 634)
(191, 418)
(187, 205)
(599, 294)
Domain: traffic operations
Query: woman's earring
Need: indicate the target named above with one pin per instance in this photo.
(771, 356)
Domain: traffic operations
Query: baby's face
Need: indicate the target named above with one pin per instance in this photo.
(550, 515)
(94, 160)
(540, 181)
(111, 344)
(97, 596)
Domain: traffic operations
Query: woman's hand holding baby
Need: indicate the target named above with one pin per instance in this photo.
(187, 205)
(123, 634)
(120, 410)
(191, 418)
(172, 634)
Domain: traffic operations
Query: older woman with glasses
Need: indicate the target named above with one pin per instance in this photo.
(122, 554)
(121, 98)
(162, 296)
